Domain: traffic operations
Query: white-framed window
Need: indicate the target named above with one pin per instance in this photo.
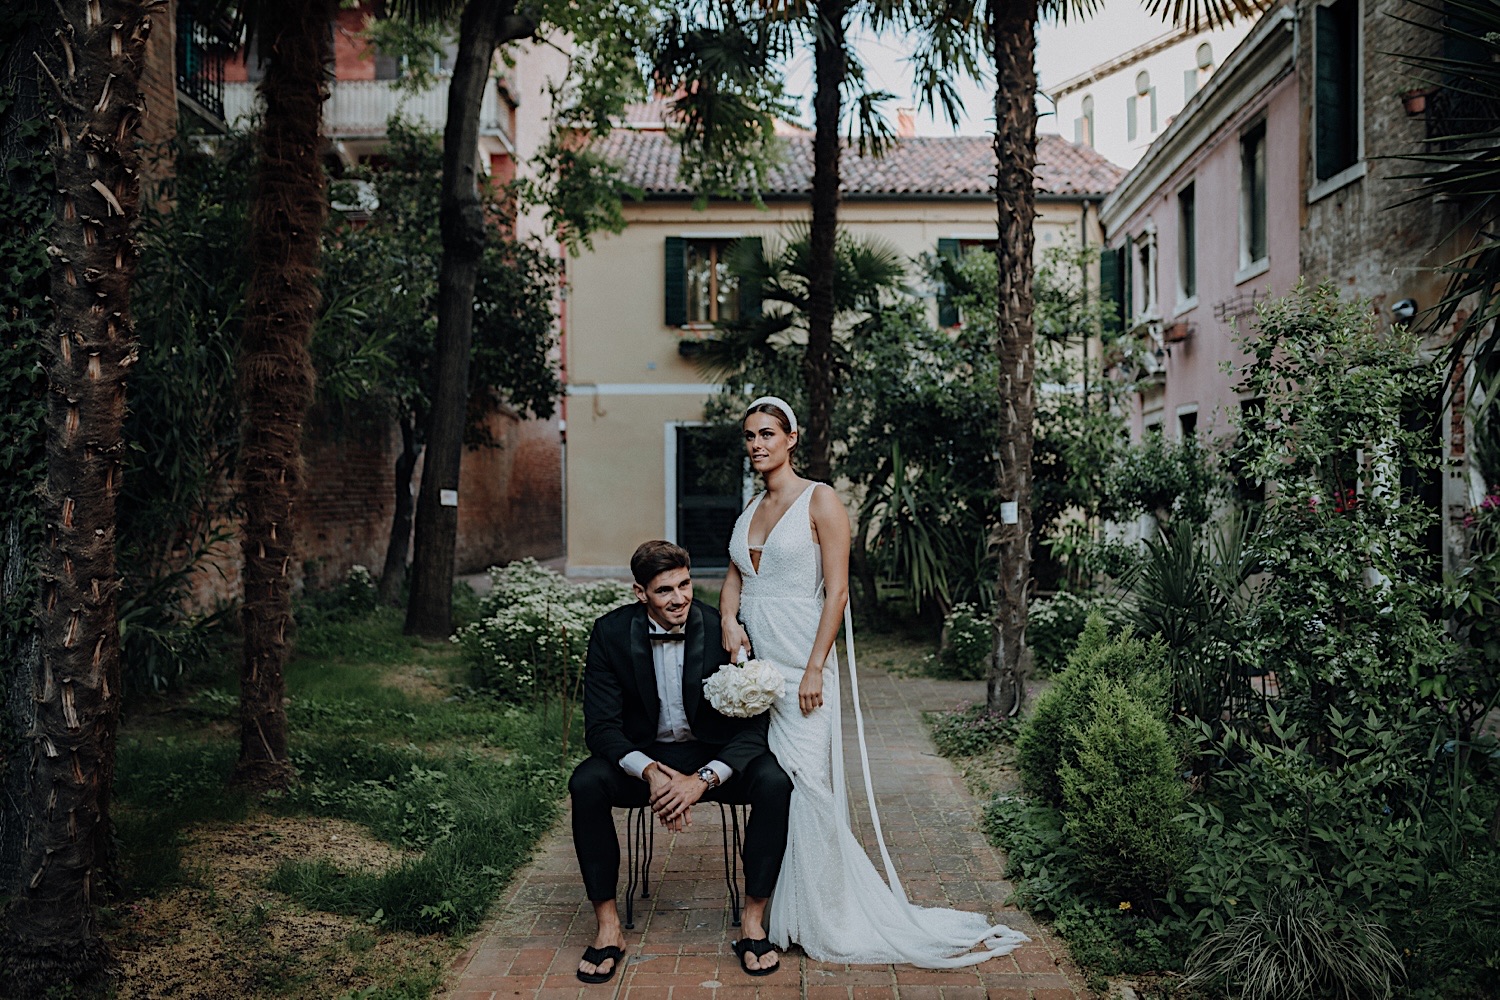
(707, 485)
(1337, 119)
(1147, 307)
(1187, 243)
(1083, 125)
(1140, 109)
(1254, 248)
(1203, 67)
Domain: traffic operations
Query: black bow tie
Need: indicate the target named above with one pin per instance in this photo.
(667, 636)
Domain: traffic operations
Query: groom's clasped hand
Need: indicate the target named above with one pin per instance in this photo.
(673, 795)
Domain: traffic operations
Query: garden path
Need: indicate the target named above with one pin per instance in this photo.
(680, 947)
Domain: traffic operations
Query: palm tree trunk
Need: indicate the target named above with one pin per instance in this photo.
(394, 570)
(93, 65)
(485, 24)
(1013, 33)
(289, 207)
(831, 64)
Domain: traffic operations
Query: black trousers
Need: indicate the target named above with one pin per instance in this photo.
(600, 785)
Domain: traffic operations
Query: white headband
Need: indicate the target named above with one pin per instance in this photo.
(777, 402)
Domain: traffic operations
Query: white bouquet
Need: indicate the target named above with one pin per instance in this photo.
(744, 689)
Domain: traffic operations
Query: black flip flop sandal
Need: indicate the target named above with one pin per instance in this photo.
(597, 955)
(756, 947)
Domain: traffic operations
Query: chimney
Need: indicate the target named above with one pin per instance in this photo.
(906, 123)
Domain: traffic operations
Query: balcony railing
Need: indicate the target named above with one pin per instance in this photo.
(360, 108)
(200, 63)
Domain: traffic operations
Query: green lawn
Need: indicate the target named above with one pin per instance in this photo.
(385, 734)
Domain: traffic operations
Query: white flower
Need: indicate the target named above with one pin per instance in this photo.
(745, 689)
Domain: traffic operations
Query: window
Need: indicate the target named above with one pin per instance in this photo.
(953, 250)
(1083, 126)
(1253, 195)
(1187, 241)
(1145, 250)
(700, 290)
(1336, 111)
(1194, 79)
(1141, 106)
(1187, 425)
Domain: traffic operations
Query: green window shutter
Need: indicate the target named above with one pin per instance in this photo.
(750, 293)
(1189, 84)
(1130, 123)
(676, 285)
(1110, 287)
(1153, 110)
(948, 310)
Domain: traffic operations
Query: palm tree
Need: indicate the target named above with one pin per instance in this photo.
(275, 372)
(712, 62)
(91, 63)
(1011, 29)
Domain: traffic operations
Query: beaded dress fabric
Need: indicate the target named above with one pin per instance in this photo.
(830, 899)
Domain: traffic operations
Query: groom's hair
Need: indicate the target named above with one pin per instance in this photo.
(655, 557)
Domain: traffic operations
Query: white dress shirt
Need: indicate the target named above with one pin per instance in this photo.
(671, 720)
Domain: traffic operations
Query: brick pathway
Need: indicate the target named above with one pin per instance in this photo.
(679, 949)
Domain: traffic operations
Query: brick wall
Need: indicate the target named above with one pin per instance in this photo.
(159, 84)
(510, 497)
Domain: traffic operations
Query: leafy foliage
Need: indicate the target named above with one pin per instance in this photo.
(971, 731)
(1054, 624)
(1349, 606)
(968, 643)
(1169, 480)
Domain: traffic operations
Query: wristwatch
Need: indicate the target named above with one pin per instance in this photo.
(710, 776)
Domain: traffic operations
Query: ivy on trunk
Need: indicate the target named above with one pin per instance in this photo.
(92, 64)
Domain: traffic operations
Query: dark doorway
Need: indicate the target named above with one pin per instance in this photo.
(710, 492)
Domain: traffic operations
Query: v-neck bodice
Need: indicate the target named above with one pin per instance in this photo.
(791, 563)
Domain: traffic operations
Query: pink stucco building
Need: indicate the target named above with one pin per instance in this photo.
(1205, 226)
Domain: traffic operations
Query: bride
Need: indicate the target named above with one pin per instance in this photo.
(788, 583)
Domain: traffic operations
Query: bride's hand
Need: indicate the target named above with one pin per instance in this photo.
(735, 637)
(810, 691)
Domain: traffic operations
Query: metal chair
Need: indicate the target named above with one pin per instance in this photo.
(640, 847)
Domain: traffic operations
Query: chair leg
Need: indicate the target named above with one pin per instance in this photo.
(730, 833)
(634, 847)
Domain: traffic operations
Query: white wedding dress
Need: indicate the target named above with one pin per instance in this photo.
(829, 897)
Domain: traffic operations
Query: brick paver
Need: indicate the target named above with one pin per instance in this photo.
(679, 949)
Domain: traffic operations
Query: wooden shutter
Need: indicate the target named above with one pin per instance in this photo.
(947, 309)
(750, 292)
(1153, 110)
(1130, 123)
(1110, 287)
(675, 296)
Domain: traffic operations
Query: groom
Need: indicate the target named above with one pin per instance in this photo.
(655, 739)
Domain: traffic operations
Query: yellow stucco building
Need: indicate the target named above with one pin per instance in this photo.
(636, 463)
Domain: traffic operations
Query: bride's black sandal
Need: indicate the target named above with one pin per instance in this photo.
(756, 947)
(596, 956)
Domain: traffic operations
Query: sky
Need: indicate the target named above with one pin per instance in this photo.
(1062, 52)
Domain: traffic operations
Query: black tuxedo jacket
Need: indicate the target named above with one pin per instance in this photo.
(620, 703)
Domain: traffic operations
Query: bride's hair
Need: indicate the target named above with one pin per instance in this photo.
(773, 410)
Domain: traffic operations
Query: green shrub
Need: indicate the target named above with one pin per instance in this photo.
(533, 631)
(1299, 947)
(1122, 795)
(1046, 741)
(1054, 624)
(968, 643)
(1454, 937)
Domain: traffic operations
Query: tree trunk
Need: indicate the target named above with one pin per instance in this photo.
(830, 65)
(394, 571)
(1013, 31)
(289, 207)
(94, 64)
(485, 24)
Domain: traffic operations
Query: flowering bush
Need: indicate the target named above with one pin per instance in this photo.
(968, 641)
(1053, 625)
(533, 631)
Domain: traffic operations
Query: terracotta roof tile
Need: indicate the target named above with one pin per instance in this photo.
(956, 166)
